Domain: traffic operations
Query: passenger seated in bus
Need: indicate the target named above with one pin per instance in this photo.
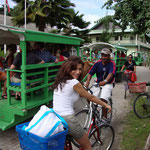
(3, 78)
(123, 55)
(59, 56)
(65, 53)
(1, 64)
(97, 55)
(118, 54)
(31, 59)
(112, 56)
(10, 57)
(44, 54)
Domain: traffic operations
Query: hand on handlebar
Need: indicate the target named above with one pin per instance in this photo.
(102, 83)
(109, 108)
(86, 85)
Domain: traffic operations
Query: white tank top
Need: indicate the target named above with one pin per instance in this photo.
(63, 100)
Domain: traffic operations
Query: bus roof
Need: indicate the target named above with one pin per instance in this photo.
(9, 34)
(100, 45)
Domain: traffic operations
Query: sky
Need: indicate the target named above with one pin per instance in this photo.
(92, 9)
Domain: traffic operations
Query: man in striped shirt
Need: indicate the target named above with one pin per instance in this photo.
(105, 70)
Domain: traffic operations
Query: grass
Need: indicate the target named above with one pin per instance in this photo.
(135, 132)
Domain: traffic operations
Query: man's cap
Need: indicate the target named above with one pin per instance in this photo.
(105, 51)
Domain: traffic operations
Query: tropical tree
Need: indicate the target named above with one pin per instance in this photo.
(75, 24)
(131, 12)
(106, 35)
(56, 13)
(2, 11)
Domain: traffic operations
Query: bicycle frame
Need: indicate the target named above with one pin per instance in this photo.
(127, 79)
(92, 122)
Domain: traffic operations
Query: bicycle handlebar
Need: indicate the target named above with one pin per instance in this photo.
(88, 89)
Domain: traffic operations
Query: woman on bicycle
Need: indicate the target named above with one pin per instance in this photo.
(130, 68)
(67, 88)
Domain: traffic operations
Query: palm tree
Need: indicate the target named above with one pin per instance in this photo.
(41, 12)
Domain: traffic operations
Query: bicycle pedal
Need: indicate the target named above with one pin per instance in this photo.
(104, 120)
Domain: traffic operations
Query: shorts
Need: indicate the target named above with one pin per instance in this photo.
(75, 129)
(15, 80)
(106, 91)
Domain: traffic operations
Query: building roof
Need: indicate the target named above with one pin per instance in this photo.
(30, 26)
(99, 28)
(10, 35)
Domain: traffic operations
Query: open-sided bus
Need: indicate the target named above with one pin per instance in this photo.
(87, 53)
(37, 92)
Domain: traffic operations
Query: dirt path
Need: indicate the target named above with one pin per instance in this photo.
(121, 105)
(9, 139)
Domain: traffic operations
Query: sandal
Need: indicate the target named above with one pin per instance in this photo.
(4, 96)
(18, 98)
(13, 94)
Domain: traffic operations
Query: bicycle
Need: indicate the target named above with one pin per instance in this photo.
(68, 143)
(141, 105)
(100, 132)
(110, 101)
(127, 79)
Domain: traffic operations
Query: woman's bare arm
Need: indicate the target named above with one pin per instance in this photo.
(82, 92)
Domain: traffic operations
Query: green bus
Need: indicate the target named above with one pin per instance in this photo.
(87, 54)
(38, 91)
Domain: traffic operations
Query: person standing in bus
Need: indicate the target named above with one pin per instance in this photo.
(105, 70)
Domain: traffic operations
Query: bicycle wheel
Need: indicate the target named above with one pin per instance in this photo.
(102, 137)
(84, 118)
(141, 106)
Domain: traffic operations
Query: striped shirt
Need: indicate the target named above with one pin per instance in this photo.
(102, 71)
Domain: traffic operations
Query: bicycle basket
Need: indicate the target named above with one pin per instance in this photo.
(29, 141)
(137, 87)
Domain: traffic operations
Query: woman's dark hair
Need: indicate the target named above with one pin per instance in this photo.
(64, 72)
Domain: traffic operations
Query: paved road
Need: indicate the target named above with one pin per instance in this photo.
(9, 139)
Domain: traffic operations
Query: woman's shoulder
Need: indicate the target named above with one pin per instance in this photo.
(73, 82)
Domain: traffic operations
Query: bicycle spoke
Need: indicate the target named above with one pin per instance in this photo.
(142, 106)
(103, 138)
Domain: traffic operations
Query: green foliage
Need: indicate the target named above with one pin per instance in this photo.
(135, 132)
(106, 35)
(2, 11)
(56, 13)
(1, 53)
(131, 12)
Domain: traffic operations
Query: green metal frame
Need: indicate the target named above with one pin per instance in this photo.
(12, 111)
